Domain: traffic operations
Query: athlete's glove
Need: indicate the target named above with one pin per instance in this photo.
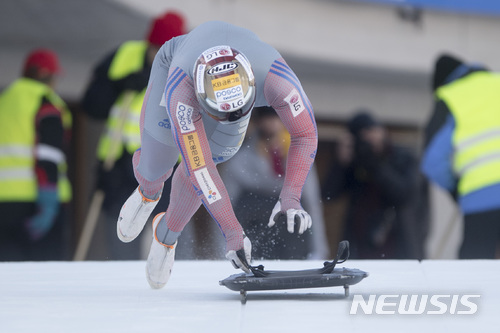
(48, 208)
(294, 218)
(241, 258)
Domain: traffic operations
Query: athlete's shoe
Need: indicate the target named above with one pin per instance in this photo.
(160, 259)
(134, 215)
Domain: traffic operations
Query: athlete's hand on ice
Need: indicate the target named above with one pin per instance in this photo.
(241, 258)
(296, 218)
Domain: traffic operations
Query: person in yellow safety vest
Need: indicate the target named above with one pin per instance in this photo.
(462, 153)
(117, 90)
(34, 124)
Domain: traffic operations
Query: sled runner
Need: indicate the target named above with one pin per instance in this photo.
(327, 276)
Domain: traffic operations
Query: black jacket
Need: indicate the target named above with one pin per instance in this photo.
(383, 193)
(102, 92)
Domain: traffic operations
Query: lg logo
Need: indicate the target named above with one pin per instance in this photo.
(231, 106)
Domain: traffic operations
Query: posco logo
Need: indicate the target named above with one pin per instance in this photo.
(184, 115)
(228, 94)
(222, 68)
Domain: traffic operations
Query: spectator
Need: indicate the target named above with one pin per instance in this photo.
(382, 181)
(253, 179)
(34, 124)
(462, 154)
(116, 91)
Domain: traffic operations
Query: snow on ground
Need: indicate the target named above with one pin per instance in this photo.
(115, 297)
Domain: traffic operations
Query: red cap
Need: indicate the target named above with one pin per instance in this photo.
(43, 59)
(166, 27)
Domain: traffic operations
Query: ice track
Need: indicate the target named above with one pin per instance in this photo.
(92, 297)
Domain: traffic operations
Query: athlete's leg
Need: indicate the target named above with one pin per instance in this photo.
(153, 162)
(184, 202)
(167, 227)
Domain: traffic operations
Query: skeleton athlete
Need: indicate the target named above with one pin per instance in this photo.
(201, 92)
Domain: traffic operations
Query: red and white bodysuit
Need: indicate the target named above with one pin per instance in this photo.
(173, 123)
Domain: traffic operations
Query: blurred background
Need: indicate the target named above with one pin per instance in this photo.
(348, 54)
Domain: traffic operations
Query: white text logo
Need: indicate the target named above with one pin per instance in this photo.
(414, 304)
(207, 185)
(295, 102)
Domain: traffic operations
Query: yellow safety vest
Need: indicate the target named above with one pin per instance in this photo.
(474, 102)
(19, 104)
(128, 59)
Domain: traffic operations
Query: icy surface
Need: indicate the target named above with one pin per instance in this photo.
(115, 297)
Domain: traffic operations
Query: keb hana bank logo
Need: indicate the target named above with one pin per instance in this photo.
(212, 195)
(416, 304)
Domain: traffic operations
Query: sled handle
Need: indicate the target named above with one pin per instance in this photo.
(328, 266)
(342, 255)
(258, 271)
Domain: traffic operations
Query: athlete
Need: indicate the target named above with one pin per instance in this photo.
(201, 91)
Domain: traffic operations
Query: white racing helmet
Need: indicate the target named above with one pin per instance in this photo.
(224, 83)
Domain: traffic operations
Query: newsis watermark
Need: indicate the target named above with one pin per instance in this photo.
(415, 304)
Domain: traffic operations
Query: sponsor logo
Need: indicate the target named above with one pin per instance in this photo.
(230, 151)
(217, 52)
(207, 185)
(229, 94)
(200, 84)
(218, 159)
(212, 195)
(225, 107)
(184, 115)
(231, 106)
(222, 68)
(195, 155)
(226, 82)
(415, 304)
(295, 102)
(165, 123)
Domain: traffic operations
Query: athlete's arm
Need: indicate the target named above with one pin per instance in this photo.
(284, 93)
(190, 137)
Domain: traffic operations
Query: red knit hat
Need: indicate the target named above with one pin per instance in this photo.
(165, 27)
(43, 59)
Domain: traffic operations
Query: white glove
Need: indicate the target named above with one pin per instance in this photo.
(294, 217)
(241, 258)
